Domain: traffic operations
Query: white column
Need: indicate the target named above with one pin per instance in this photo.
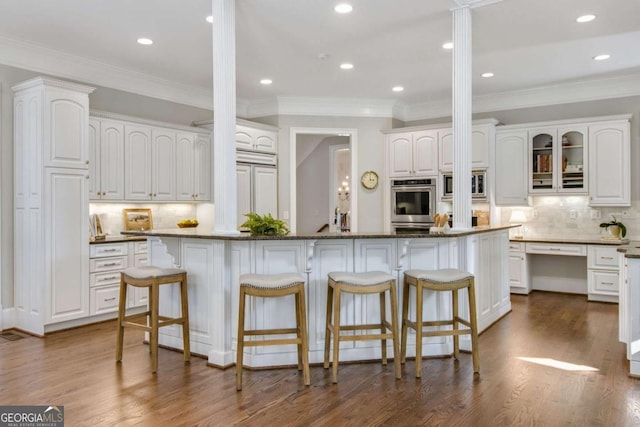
(225, 184)
(462, 96)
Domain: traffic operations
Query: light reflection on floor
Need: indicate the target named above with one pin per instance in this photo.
(566, 366)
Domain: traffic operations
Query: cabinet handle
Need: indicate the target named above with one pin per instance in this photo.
(111, 264)
(606, 257)
(607, 283)
(104, 279)
(110, 250)
(110, 299)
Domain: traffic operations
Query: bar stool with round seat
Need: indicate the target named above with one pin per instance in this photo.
(450, 280)
(152, 278)
(270, 286)
(373, 282)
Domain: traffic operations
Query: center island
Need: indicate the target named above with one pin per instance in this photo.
(215, 262)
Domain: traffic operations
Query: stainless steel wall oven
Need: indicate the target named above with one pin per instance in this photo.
(413, 201)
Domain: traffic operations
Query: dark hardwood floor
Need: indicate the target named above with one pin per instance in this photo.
(76, 369)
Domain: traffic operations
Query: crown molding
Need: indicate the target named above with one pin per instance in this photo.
(581, 91)
(99, 114)
(31, 56)
(45, 81)
(309, 106)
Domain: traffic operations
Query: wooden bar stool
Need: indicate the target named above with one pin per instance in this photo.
(270, 286)
(451, 280)
(373, 282)
(152, 278)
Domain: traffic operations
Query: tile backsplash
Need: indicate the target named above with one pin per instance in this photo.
(163, 215)
(572, 216)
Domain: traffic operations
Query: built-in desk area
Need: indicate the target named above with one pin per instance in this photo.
(215, 262)
(588, 266)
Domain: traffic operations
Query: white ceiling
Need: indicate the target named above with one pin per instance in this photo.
(526, 43)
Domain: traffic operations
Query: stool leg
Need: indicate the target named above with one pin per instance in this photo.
(454, 309)
(418, 329)
(336, 333)
(475, 350)
(184, 300)
(154, 298)
(329, 326)
(303, 336)
(296, 297)
(122, 303)
(383, 328)
(240, 340)
(405, 314)
(394, 328)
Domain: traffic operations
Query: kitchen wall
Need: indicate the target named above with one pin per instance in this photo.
(163, 215)
(369, 157)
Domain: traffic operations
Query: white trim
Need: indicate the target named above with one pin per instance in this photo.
(34, 57)
(582, 91)
(618, 117)
(308, 106)
(353, 141)
(140, 121)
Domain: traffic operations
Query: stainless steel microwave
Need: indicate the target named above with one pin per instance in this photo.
(478, 185)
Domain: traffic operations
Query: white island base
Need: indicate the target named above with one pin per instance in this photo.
(214, 264)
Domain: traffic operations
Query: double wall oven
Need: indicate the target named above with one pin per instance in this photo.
(413, 204)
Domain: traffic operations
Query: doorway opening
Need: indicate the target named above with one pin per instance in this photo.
(323, 197)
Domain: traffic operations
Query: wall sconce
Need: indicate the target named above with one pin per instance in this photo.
(518, 217)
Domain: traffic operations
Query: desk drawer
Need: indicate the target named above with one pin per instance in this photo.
(516, 246)
(139, 247)
(604, 282)
(104, 300)
(557, 249)
(102, 279)
(97, 265)
(603, 257)
(108, 249)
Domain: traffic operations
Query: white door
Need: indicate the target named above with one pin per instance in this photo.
(111, 160)
(425, 152)
(446, 149)
(163, 167)
(243, 173)
(400, 155)
(202, 168)
(65, 129)
(265, 141)
(244, 138)
(94, 159)
(137, 161)
(511, 169)
(265, 190)
(609, 165)
(184, 169)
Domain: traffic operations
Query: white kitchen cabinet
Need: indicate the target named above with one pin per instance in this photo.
(609, 164)
(150, 163)
(558, 160)
(51, 203)
(255, 138)
(480, 137)
(603, 265)
(193, 170)
(106, 263)
(519, 281)
(413, 153)
(510, 170)
(106, 159)
(257, 190)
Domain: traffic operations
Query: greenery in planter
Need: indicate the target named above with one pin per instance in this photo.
(615, 222)
(265, 225)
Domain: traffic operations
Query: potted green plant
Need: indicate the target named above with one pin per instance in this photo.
(615, 227)
(265, 225)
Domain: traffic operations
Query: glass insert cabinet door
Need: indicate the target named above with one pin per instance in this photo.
(558, 159)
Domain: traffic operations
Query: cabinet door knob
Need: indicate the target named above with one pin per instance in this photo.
(150, 194)
(87, 177)
(154, 194)
(87, 162)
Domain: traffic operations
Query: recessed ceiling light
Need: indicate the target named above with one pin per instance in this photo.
(602, 57)
(585, 18)
(266, 81)
(346, 66)
(145, 41)
(397, 88)
(448, 45)
(210, 19)
(343, 8)
(487, 75)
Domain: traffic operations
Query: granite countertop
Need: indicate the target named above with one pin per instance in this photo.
(208, 234)
(117, 239)
(631, 249)
(587, 240)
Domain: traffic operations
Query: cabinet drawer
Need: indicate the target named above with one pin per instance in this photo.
(104, 300)
(102, 279)
(603, 257)
(557, 249)
(139, 247)
(516, 246)
(109, 249)
(140, 260)
(97, 265)
(604, 282)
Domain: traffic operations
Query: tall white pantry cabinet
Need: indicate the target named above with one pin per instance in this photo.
(51, 202)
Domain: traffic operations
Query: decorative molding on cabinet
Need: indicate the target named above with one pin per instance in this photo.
(140, 121)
